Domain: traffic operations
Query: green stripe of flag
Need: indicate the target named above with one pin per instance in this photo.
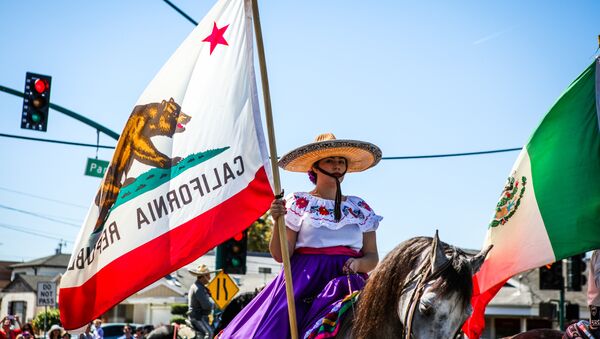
(565, 166)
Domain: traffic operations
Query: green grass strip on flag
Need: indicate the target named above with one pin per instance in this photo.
(158, 176)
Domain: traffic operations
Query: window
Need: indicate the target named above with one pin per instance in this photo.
(19, 308)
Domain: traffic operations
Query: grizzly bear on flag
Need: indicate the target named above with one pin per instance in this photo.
(146, 121)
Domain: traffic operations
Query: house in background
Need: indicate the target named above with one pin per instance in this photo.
(5, 273)
(19, 296)
(517, 307)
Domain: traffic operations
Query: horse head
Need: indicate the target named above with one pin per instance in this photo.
(421, 289)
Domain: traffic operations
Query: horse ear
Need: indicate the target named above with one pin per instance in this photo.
(478, 259)
(440, 258)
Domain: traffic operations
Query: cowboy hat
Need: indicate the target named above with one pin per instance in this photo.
(359, 154)
(201, 270)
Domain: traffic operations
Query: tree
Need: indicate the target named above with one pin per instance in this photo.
(53, 318)
(179, 312)
(259, 234)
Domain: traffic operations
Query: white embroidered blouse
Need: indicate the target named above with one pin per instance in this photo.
(313, 219)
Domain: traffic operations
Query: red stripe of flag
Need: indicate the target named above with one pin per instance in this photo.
(474, 326)
(164, 254)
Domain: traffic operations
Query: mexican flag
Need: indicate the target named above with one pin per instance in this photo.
(549, 208)
(190, 170)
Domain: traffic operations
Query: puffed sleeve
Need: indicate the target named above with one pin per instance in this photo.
(296, 204)
(368, 219)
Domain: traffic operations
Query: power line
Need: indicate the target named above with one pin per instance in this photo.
(42, 198)
(55, 141)
(452, 154)
(181, 12)
(32, 232)
(383, 158)
(39, 216)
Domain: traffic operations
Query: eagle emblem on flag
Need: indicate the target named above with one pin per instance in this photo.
(510, 199)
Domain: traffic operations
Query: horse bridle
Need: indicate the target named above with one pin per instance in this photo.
(425, 274)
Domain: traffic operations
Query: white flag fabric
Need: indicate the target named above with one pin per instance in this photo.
(190, 170)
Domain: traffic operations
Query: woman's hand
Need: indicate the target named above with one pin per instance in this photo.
(278, 208)
(351, 266)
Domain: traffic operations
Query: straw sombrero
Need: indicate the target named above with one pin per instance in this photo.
(359, 154)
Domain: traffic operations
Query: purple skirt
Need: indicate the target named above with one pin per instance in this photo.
(319, 283)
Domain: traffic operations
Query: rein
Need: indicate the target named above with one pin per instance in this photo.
(425, 274)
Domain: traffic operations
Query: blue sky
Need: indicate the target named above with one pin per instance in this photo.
(414, 78)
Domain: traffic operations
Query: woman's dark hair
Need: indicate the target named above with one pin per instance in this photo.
(312, 176)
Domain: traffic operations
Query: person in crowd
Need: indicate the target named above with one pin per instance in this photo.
(8, 329)
(28, 327)
(199, 303)
(593, 292)
(87, 333)
(330, 236)
(55, 332)
(127, 332)
(97, 329)
(139, 333)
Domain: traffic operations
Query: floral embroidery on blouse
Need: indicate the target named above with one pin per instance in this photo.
(320, 211)
(301, 202)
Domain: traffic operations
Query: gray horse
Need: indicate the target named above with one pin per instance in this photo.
(422, 289)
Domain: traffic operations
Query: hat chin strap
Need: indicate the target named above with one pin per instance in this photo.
(337, 210)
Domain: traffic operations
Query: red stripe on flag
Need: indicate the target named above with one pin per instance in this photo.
(146, 264)
(474, 326)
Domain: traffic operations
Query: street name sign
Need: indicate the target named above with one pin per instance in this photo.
(46, 293)
(96, 167)
(222, 289)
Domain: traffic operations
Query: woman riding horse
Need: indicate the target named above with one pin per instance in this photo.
(331, 239)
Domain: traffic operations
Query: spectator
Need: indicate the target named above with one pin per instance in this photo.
(127, 333)
(8, 330)
(593, 292)
(87, 334)
(139, 333)
(97, 329)
(29, 328)
(55, 332)
(24, 335)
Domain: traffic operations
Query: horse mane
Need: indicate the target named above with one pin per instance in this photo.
(377, 308)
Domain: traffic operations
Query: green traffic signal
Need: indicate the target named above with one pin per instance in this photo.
(231, 255)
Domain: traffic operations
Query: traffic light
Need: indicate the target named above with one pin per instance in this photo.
(572, 312)
(231, 255)
(548, 310)
(575, 269)
(36, 102)
(551, 277)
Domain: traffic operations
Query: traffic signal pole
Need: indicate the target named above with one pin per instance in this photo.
(69, 113)
(561, 309)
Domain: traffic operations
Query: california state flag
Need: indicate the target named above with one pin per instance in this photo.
(550, 207)
(189, 170)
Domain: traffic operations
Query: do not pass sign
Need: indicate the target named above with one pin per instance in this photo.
(46, 293)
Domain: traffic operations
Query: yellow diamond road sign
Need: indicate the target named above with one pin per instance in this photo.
(222, 289)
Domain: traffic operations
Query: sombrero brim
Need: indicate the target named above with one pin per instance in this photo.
(194, 272)
(360, 155)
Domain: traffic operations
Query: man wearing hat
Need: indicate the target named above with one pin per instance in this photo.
(199, 302)
(331, 237)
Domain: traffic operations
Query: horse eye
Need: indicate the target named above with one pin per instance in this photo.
(425, 308)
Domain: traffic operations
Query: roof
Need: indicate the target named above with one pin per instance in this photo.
(5, 272)
(26, 283)
(56, 260)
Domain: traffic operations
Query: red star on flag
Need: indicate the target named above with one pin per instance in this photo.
(216, 37)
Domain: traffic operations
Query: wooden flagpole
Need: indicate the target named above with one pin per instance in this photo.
(276, 182)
